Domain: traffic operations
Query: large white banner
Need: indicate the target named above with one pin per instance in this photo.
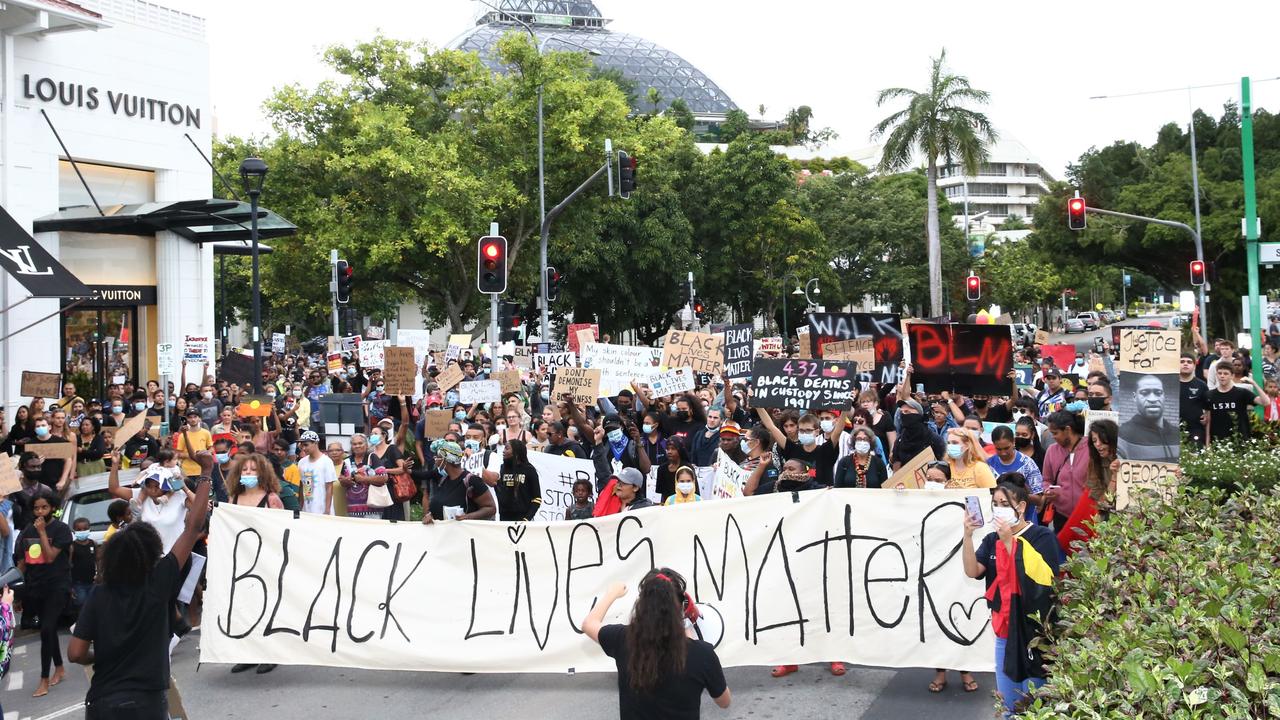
(872, 577)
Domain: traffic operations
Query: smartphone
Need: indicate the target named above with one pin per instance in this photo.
(973, 506)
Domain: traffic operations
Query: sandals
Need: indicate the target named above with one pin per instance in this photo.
(784, 670)
(937, 687)
(970, 685)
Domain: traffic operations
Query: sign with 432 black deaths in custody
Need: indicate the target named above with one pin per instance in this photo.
(802, 384)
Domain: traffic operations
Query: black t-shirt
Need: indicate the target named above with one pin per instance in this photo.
(677, 697)
(84, 562)
(882, 428)
(999, 413)
(517, 489)
(41, 574)
(821, 460)
(1193, 400)
(569, 449)
(683, 429)
(388, 459)
(461, 493)
(51, 468)
(129, 628)
(1229, 412)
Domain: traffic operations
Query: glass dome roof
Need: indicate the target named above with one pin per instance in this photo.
(647, 64)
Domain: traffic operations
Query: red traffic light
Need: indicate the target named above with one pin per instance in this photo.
(491, 274)
(1077, 204)
(973, 287)
(491, 250)
(1076, 213)
(1197, 272)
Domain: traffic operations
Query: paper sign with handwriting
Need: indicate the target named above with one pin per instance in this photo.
(399, 373)
(700, 351)
(450, 376)
(1149, 351)
(479, 391)
(618, 365)
(582, 383)
(673, 382)
(1135, 475)
(860, 351)
(41, 385)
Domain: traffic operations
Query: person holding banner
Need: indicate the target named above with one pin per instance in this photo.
(662, 671)
(819, 459)
(1019, 562)
(457, 494)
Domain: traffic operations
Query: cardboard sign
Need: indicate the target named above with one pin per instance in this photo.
(884, 330)
(1134, 476)
(508, 380)
(770, 346)
(730, 478)
(699, 351)
(859, 351)
(10, 482)
(969, 359)
(911, 475)
(41, 384)
(373, 354)
(450, 376)
(334, 362)
(277, 343)
(584, 337)
(618, 365)
(1064, 356)
(548, 363)
(582, 383)
(1026, 375)
(1005, 319)
(575, 338)
(399, 372)
(524, 357)
(197, 349)
(419, 340)
(462, 340)
(1042, 337)
(53, 449)
(673, 382)
(803, 384)
(803, 349)
(438, 423)
(479, 391)
(1149, 351)
(739, 346)
(132, 426)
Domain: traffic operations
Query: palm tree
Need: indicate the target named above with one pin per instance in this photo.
(935, 124)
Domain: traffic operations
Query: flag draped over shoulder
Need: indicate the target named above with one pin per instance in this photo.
(1031, 599)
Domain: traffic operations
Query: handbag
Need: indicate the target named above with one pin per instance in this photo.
(404, 488)
(379, 497)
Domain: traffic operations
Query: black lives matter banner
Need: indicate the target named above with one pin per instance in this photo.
(802, 384)
(872, 577)
(884, 330)
(969, 359)
(739, 341)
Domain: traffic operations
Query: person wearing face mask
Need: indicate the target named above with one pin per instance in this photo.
(1053, 397)
(879, 421)
(90, 451)
(159, 497)
(455, 494)
(914, 436)
(760, 463)
(359, 479)
(731, 442)
(652, 438)
(702, 450)
(516, 483)
(686, 487)
(84, 562)
(114, 415)
(1026, 438)
(968, 461)
(1019, 563)
(793, 478)
(687, 418)
(376, 400)
(619, 445)
(862, 468)
(209, 406)
(1099, 396)
(42, 553)
(55, 471)
(385, 458)
(819, 459)
(1008, 458)
(298, 406)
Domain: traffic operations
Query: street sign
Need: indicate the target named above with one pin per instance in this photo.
(1269, 253)
(166, 359)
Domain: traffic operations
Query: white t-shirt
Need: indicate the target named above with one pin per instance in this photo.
(314, 477)
(169, 518)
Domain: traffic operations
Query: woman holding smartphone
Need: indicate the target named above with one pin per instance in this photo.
(1019, 562)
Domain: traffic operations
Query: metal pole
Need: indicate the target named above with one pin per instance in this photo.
(493, 311)
(1250, 224)
(333, 288)
(222, 288)
(257, 293)
(1195, 193)
(545, 326)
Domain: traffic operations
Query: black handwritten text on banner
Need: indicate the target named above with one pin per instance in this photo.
(802, 384)
(971, 359)
(884, 329)
(872, 577)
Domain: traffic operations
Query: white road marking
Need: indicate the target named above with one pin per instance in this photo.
(20, 650)
(15, 681)
(59, 713)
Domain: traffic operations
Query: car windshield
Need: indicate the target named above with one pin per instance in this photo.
(91, 505)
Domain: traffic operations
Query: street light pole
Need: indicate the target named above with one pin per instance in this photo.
(253, 171)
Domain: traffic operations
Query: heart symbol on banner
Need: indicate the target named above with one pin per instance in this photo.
(969, 621)
(515, 532)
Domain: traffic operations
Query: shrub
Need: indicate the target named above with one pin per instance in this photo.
(1171, 611)
(1234, 464)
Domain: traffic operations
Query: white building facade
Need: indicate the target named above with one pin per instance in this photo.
(1008, 185)
(126, 85)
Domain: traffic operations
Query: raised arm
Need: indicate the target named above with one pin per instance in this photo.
(779, 437)
(181, 549)
(595, 619)
(904, 387)
(113, 479)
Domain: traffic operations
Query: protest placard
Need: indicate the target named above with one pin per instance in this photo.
(1092, 416)
(197, 349)
(52, 449)
(438, 423)
(803, 348)
(132, 426)
(700, 351)
(802, 384)
(462, 340)
(574, 339)
(969, 359)
(419, 340)
(237, 368)
(911, 475)
(508, 380)
(618, 365)
(1149, 416)
(1042, 337)
(739, 342)
(1064, 355)
(451, 375)
(1146, 350)
(524, 357)
(859, 351)
(672, 382)
(770, 567)
(278, 343)
(548, 363)
(584, 337)
(10, 482)
(730, 478)
(40, 384)
(350, 345)
(1026, 375)
(399, 372)
(333, 361)
(1134, 476)
(770, 346)
(582, 383)
(884, 329)
(372, 354)
(452, 353)
(479, 391)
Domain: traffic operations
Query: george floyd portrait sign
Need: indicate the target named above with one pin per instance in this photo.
(870, 576)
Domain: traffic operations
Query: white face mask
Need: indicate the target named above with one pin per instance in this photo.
(862, 447)
(208, 396)
(685, 488)
(1006, 514)
(827, 425)
(297, 393)
(1018, 415)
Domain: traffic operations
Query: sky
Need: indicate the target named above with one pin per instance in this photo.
(1041, 61)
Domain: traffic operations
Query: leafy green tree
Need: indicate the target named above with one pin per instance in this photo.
(680, 114)
(735, 123)
(935, 124)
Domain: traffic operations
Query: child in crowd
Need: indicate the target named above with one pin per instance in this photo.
(84, 562)
(118, 515)
(582, 507)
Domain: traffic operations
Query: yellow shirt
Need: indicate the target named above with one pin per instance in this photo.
(976, 475)
(293, 476)
(200, 441)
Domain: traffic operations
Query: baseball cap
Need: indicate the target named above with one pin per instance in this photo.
(309, 436)
(913, 404)
(629, 476)
(730, 429)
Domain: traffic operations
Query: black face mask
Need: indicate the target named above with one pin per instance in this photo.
(979, 404)
(682, 415)
(909, 419)
(1097, 403)
(1022, 443)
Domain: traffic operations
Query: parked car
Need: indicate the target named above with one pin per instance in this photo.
(1023, 334)
(89, 498)
(1107, 316)
(1090, 320)
(1075, 325)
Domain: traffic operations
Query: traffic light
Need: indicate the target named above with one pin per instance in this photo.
(1075, 213)
(491, 265)
(1197, 272)
(699, 310)
(346, 277)
(553, 284)
(973, 287)
(510, 321)
(626, 174)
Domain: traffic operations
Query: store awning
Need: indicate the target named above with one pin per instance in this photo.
(239, 247)
(200, 221)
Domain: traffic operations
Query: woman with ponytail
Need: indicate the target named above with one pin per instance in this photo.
(662, 671)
